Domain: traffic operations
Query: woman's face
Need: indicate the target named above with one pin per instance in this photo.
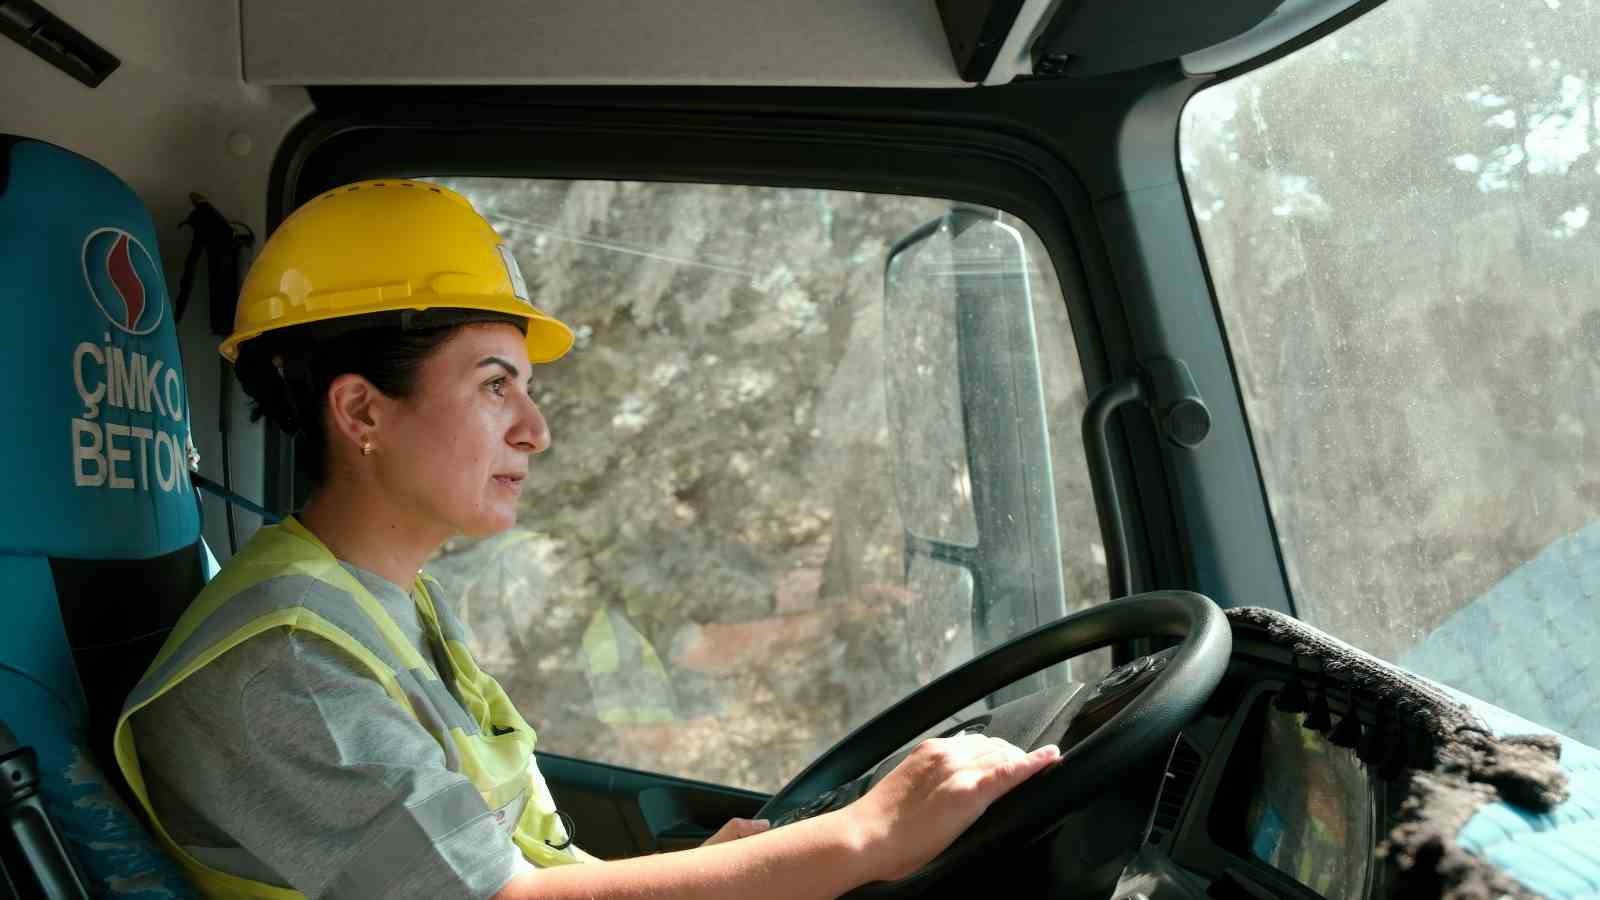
(457, 450)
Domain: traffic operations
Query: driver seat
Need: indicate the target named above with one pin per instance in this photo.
(100, 538)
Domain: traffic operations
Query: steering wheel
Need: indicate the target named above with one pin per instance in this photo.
(1133, 712)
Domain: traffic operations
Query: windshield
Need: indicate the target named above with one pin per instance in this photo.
(1396, 221)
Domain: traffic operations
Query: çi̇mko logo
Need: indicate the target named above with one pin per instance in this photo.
(130, 434)
(123, 280)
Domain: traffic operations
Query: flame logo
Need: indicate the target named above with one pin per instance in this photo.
(119, 265)
(124, 280)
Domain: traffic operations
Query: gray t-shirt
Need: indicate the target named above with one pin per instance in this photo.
(285, 761)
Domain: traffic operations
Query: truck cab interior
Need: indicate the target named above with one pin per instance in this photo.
(1204, 388)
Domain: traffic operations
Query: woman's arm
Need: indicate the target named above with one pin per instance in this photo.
(900, 825)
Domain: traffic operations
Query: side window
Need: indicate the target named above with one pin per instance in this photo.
(738, 547)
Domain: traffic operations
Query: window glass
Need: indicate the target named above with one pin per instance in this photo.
(1397, 221)
(711, 576)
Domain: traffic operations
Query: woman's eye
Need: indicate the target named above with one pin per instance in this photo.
(498, 386)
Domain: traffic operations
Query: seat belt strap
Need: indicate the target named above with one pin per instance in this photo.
(228, 496)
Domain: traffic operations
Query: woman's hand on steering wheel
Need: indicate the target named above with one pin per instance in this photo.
(734, 829)
(936, 793)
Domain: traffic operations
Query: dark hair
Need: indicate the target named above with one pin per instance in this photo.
(287, 373)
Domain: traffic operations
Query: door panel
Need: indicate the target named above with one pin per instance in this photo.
(621, 812)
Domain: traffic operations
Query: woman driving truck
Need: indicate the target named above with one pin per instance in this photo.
(316, 725)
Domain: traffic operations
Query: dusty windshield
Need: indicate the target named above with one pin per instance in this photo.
(1397, 223)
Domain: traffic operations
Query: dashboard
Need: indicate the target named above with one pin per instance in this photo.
(1254, 800)
(1308, 807)
(1254, 804)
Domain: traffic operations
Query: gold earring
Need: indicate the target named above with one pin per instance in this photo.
(367, 449)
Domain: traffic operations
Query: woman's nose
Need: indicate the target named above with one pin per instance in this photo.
(532, 432)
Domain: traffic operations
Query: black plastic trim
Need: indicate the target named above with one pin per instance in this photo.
(976, 31)
(50, 38)
(1095, 38)
(1215, 489)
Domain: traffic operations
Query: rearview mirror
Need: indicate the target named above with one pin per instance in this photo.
(973, 475)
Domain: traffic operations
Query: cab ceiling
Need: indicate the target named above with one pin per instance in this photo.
(884, 43)
(740, 43)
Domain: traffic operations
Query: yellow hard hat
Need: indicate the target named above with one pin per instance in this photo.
(386, 246)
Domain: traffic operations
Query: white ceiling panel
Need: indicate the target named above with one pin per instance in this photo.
(899, 43)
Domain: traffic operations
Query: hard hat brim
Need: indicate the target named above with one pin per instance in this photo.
(548, 338)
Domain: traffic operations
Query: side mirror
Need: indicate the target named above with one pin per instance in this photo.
(973, 477)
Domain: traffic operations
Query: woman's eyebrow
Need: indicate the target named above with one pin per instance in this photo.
(497, 361)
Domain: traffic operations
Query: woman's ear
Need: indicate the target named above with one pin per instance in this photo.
(355, 409)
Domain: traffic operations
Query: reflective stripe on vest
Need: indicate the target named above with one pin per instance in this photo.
(285, 578)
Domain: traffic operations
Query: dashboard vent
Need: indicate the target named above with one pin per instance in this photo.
(1182, 769)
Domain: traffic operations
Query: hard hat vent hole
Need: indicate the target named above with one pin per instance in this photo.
(436, 190)
(352, 188)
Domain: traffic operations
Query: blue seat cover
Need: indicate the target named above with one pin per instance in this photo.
(96, 460)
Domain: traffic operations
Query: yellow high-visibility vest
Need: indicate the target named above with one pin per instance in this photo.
(483, 736)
